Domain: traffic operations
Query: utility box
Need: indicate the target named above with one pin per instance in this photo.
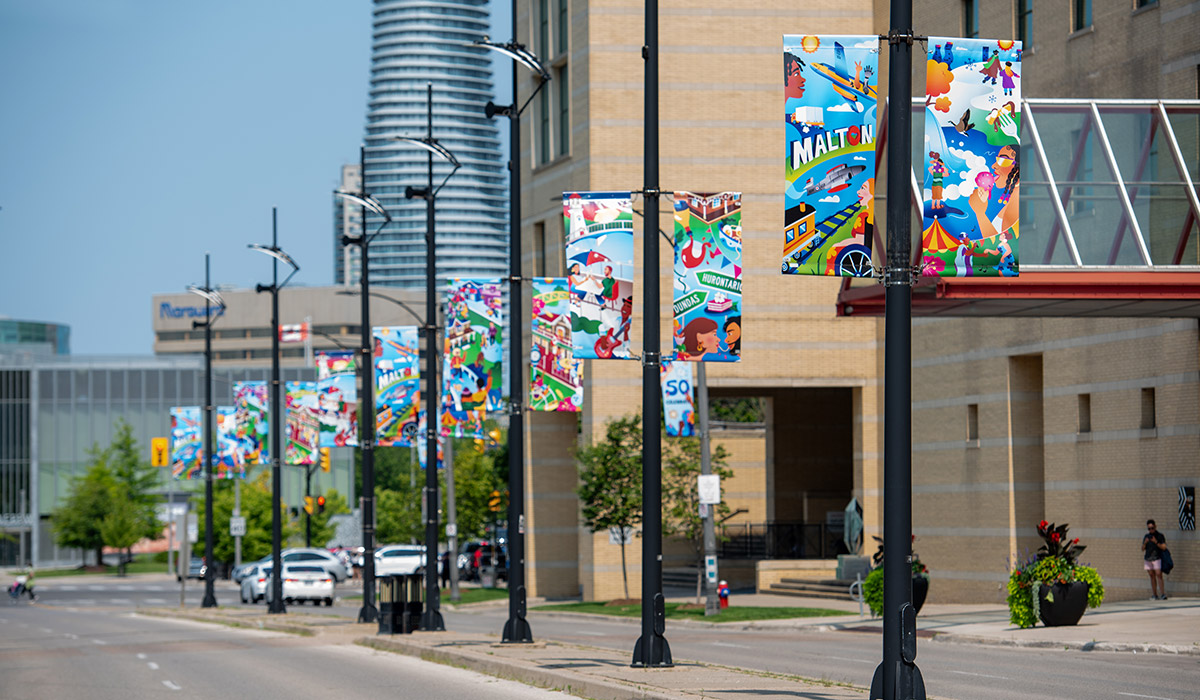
(400, 604)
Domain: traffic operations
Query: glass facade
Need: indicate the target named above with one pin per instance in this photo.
(416, 44)
(14, 332)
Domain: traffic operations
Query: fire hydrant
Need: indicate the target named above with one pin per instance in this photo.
(723, 593)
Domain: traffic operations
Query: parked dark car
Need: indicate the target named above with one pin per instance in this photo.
(469, 564)
(196, 569)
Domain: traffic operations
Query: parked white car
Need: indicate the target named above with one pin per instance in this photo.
(303, 582)
(399, 559)
(255, 581)
(316, 557)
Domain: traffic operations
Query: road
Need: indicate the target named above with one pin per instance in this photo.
(959, 671)
(55, 652)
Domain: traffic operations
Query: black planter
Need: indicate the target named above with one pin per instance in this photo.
(1070, 600)
(920, 585)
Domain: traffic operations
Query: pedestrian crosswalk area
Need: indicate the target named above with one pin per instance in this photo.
(123, 595)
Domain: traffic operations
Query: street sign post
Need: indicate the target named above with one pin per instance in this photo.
(237, 526)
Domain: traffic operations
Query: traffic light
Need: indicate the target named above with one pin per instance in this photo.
(308, 505)
(494, 502)
(320, 504)
(480, 446)
(494, 433)
(325, 461)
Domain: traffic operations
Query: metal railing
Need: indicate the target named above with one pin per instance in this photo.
(780, 541)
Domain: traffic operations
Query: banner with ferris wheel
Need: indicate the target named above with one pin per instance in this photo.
(830, 96)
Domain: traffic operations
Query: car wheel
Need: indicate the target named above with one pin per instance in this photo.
(243, 598)
(329, 602)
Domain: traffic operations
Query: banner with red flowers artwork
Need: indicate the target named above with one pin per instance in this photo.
(972, 170)
(600, 266)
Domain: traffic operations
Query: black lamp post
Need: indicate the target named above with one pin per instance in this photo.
(211, 297)
(516, 629)
(366, 372)
(431, 621)
(276, 446)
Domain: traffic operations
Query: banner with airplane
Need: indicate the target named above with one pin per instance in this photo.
(337, 395)
(251, 413)
(303, 424)
(679, 399)
(708, 277)
(471, 363)
(397, 384)
(187, 449)
(599, 229)
(556, 376)
(972, 169)
(829, 120)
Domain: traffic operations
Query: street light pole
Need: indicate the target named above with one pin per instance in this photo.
(652, 649)
(898, 675)
(516, 629)
(210, 598)
(275, 446)
(712, 605)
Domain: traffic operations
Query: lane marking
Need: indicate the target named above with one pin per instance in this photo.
(67, 588)
(47, 630)
(155, 601)
(97, 588)
(1153, 697)
(141, 656)
(593, 634)
(844, 658)
(101, 642)
(153, 666)
(980, 675)
(171, 685)
(727, 644)
(72, 636)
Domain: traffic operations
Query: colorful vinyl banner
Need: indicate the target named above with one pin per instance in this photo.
(679, 401)
(556, 376)
(471, 374)
(397, 384)
(708, 277)
(230, 461)
(600, 264)
(423, 445)
(187, 452)
(829, 104)
(337, 394)
(251, 420)
(972, 158)
(303, 424)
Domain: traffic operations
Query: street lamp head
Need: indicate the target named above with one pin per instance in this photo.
(365, 201)
(276, 253)
(432, 146)
(211, 295)
(518, 53)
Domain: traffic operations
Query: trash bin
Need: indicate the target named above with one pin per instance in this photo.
(400, 605)
(487, 576)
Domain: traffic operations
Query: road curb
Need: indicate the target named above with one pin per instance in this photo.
(569, 682)
(248, 623)
(951, 638)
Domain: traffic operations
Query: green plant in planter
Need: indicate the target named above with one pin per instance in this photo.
(1056, 561)
(872, 587)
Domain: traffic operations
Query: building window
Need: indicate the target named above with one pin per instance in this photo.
(971, 18)
(1144, 3)
(563, 27)
(1025, 23)
(543, 17)
(1082, 16)
(544, 126)
(564, 111)
(973, 421)
(539, 249)
(1149, 422)
(1085, 413)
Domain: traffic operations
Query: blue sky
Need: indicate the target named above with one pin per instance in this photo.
(136, 135)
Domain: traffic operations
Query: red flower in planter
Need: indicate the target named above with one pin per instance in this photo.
(1055, 536)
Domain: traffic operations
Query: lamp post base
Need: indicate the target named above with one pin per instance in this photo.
(517, 631)
(210, 600)
(902, 669)
(659, 653)
(431, 621)
(276, 608)
(368, 613)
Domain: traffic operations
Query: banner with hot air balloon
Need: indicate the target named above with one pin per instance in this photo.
(397, 384)
(679, 397)
(972, 158)
(708, 277)
(471, 363)
(229, 460)
(600, 267)
(337, 394)
(187, 451)
(556, 376)
(251, 419)
(829, 124)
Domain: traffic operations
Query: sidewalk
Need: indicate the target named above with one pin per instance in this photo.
(1171, 626)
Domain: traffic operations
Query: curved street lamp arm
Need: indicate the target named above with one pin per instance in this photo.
(397, 302)
(332, 339)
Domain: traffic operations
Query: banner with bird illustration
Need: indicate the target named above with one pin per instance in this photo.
(187, 451)
(708, 277)
(251, 419)
(337, 394)
(471, 363)
(830, 96)
(972, 169)
(600, 267)
(397, 384)
(556, 375)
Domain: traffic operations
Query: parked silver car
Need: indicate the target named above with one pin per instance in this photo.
(255, 581)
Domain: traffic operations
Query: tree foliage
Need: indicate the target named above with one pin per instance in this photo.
(610, 488)
(256, 509)
(681, 493)
(138, 480)
(77, 522)
(121, 527)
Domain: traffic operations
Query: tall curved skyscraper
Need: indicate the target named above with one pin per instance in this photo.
(417, 43)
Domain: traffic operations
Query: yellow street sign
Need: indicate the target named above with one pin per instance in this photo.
(160, 452)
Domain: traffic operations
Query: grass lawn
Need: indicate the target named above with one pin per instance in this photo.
(731, 614)
(141, 564)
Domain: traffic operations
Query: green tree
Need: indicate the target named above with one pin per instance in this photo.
(77, 522)
(681, 495)
(256, 509)
(121, 528)
(322, 530)
(397, 517)
(611, 481)
(476, 475)
(138, 479)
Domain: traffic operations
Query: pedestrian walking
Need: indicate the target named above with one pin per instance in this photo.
(445, 569)
(1153, 544)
